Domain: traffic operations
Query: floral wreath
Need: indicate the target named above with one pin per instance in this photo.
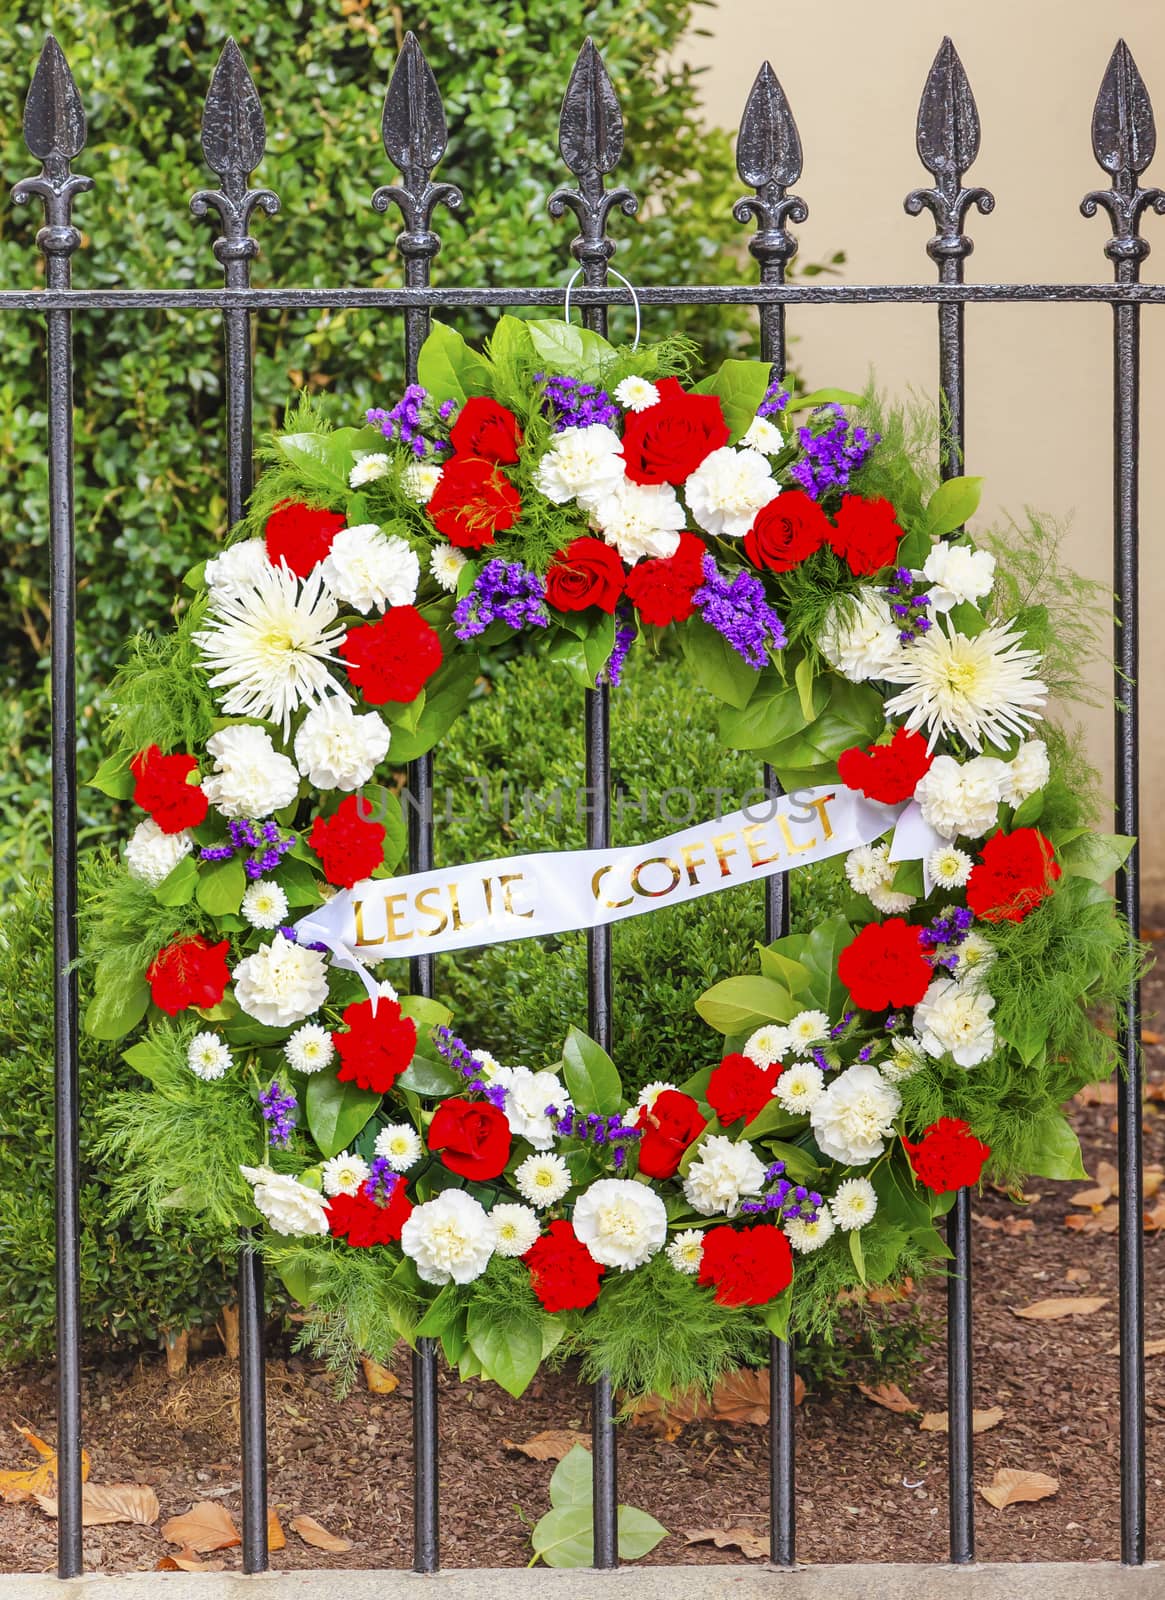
(413, 1185)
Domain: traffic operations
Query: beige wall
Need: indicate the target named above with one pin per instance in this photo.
(1039, 378)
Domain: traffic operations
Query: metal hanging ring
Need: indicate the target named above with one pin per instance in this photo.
(627, 284)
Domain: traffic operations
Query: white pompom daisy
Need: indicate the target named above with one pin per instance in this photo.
(208, 1056)
(636, 394)
(310, 1049)
(264, 904)
(950, 868)
(808, 1028)
(854, 1204)
(344, 1173)
(650, 1093)
(799, 1088)
(542, 1179)
(805, 1237)
(685, 1251)
(445, 564)
(767, 1045)
(906, 1057)
(517, 1228)
(419, 480)
(369, 468)
(400, 1145)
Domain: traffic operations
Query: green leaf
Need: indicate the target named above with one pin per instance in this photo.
(300, 1279)
(774, 963)
(146, 1058)
(638, 1533)
(1054, 1149)
(113, 777)
(856, 1251)
(1029, 811)
(336, 1111)
(430, 1078)
(776, 1314)
(769, 717)
(444, 1312)
(822, 948)
(449, 369)
(740, 387)
(565, 347)
(429, 1013)
(854, 714)
(115, 1009)
(221, 887)
(591, 1076)
(565, 1536)
(908, 878)
(952, 504)
(510, 347)
(382, 805)
(178, 886)
(325, 457)
(772, 1118)
(739, 1005)
(718, 667)
(509, 1349)
(446, 696)
(824, 397)
(572, 1479)
(1096, 855)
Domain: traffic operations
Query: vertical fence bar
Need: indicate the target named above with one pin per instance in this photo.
(54, 131)
(415, 137)
(768, 157)
(1123, 141)
(590, 139)
(948, 142)
(234, 137)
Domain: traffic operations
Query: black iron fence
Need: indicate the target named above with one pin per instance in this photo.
(590, 141)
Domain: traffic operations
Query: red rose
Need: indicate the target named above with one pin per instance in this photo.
(1015, 871)
(948, 1156)
(746, 1266)
(667, 442)
(364, 1221)
(473, 1136)
(189, 972)
(349, 847)
(473, 501)
(740, 1088)
(886, 772)
(866, 534)
(487, 430)
(301, 536)
(661, 589)
(563, 1273)
(375, 1050)
(161, 788)
(884, 966)
(587, 573)
(670, 1125)
(394, 658)
(787, 530)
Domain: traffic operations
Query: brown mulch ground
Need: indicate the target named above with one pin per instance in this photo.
(872, 1485)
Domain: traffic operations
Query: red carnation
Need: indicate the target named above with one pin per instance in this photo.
(886, 772)
(189, 972)
(661, 589)
(394, 658)
(472, 1136)
(866, 534)
(301, 536)
(1015, 871)
(587, 573)
(884, 966)
(349, 847)
(787, 530)
(667, 442)
(473, 501)
(746, 1266)
(740, 1088)
(364, 1221)
(948, 1156)
(563, 1273)
(670, 1125)
(162, 789)
(375, 1050)
(487, 430)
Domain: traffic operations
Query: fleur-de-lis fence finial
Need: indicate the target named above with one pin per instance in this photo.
(415, 136)
(234, 137)
(590, 141)
(947, 141)
(768, 156)
(54, 131)
(1124, 138)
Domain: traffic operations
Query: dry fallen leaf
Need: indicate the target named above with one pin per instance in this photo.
(742, 1539)
(1153, 1347)
(379, 1379)
(1078, 1275)
(888, 1395)
(276, 1538)
(1106, 1219)
(981, 1421)
(550, 1445)
(27, 1483)
(1010, 1484)
(1052, 1310)
(187, 1561)
(741, 1397)
(206, 1526)
(111, 1502)
(315, 1534)
(1097, 1094)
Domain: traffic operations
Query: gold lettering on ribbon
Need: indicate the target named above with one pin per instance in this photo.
(819, 806)
(455, 907)
(504, 882)
(608, 905)
(754, 845)
(795, 849)
(426, 910)
(361, 937)
(718, 843)
(652, 861)
(686, 850)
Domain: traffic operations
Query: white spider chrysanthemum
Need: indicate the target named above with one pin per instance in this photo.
(369, 469)
(728, 488)
(419, 480)
(581, 463)
(805, 1237)
(516, 1228)
(1026, 772)
(264, 904)
(799, 1088)
(636, 394)
(310, 1049)
(906, 1057)
(955, 1019)
(267, 647)
(344, 1173)
(650, 1093)
(860, 641)
(621, 1222)
(639, 519)
(807, 1029)
(981, 688)
(399, 1144)
(767, 1045)
(338, 749)
(950, 868)
(239, 567)
(208, 1056)
(854, 1204)
(958, 575)
(764, 436)
(151, 854)
(370, 571)
(542, 1179)
(975, 955)
(685, 1251)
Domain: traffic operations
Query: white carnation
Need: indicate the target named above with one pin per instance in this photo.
(419, 480)
(955, 1019)
(344, 1174)
(639, 519)
(650, 1093)
(807, 1029)
(151, 854)
(860, 640)
(854, 1204)
(399, 1144)
(636, 394)
(369, 571)
(804, 1236)
(961, 799)
(369, 469)
(727, 490)
(1026, 772)
(451, 1238)
(722, 1176)
(208, 1056)
(237, 570)
(282, 983)
(528, 1094)
(764, 436)
(310, 1049)
(581, 464)
(338, 749)
(949, 867)
(516, 1228)
(854, 1117)
(250, 777)
(958, 575)
(264, 904)
(288, 1205)
(445, 564)
(799, 1088)
(767, 1045)
(542, 1179)
(686, 1250)
(621, 1222)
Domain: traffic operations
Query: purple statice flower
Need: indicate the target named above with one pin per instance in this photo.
(462, 1059)
(503, 591)
(831, 453)
(262, 845)
(278, 1113)
(403, 422)
(908, 606)
(381, 1182)
(951, 929)
(776, 399)
(737, 609)
(612, 673)
(292, 937)
(839, 1028)
(570, 403)
(787, 1200)
(593, 1128)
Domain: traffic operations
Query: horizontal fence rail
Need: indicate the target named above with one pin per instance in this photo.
(769, 161)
